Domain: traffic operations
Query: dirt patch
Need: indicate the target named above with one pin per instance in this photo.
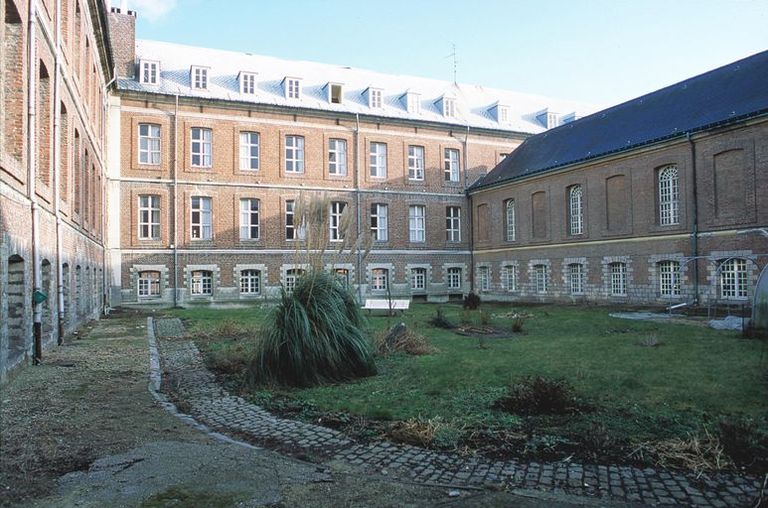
(487, 332)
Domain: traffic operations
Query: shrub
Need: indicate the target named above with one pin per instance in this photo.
(472, 301)
(538, 396)
(313, 335)
(440, 320)
(408, 342)
(517, 324)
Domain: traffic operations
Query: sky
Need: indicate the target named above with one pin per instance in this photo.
(600, 52)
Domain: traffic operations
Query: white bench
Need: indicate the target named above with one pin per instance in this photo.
(388, 305)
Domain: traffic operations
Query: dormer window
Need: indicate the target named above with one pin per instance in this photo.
(500, 113)
(334, 93)
(292, 88)
(449, 106)
(247, 82)
(374, 98)
(412, 102)
(547, 118)
(199, 77)
(149, 72)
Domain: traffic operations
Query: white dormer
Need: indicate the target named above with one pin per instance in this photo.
(247, 82)
(292, 87)
(149, 72)
(500, 113)
(447, 106)
(547, 118)
(411, 102)
(374, 97)
(335, 92)
(570, 117)
(198, 77)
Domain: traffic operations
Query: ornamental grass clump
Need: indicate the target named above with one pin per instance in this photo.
(314, 335)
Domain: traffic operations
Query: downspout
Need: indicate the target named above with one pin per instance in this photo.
(37, 310)
(104, 204)
(695, 226)
(469, 214)
(174, 163)
(57, 176)
(359, 255)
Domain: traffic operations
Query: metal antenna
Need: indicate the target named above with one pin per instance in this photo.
(455, 62)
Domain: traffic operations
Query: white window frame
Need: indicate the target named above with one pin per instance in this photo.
(201, 147)
(378, 160)
(451, 164)
(250, 210)
(417, 223)
(541, 278)
(291, 276)
(454, 277)
(199, 77)
(576, 278)
(149, 144)
(335, 234)
(201, 216)
(734, 279)
(413, 102)
(248, 83)
(483, 278)
(250, 281)
(618, 274)
(149, 217)
(375, 98)
(503, 114)
(416, 163)
(509, 273)
(292, 88)
(380, 222)
(509, 212)
(294, 154)
(669, 195)
(337, 157)
(418, 279)
(449, 107)
(293, 231)
(453, 224)
(201, 283)
(250, 150)
(669, 277)
(148, 284)
(576, 210)
(335, 98)
(149, 73)
(379, 279)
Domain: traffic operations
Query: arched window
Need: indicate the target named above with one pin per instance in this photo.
(510, 217)
(576, 278)
(484, 278)
(733, 279)
(202, 283)
(379, 279)
(509, 277)
(291, 276)
(618, 279)
(250, 282)
(418, 279)
(669, 196)
(576, 210)
(541, 278)
(149, 284)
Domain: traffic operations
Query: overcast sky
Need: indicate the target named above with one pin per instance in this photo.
(596, 51)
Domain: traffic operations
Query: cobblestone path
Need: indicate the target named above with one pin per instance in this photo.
(199, 395)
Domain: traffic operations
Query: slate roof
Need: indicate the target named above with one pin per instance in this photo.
(473, 102)
(731, 93)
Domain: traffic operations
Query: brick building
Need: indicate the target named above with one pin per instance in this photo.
(55, 66)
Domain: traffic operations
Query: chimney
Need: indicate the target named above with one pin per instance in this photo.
(122, 38)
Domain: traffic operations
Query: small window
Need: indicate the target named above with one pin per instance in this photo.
(149, 72)
(451, 165)
(733, 279)
(454, 278)
(337, 157)
(201, 218)
(379, 219)
(379, 279)
(453, 224)
(292, 88)
(342, 275)
(335, 94)
(202, 148)
(149, 217)
(576, 210)
(669, 196)
(509, 277)
(416, 223)
(576, 278)
(510, 219)
(294, 154)
(249, 151)
(541, 278)
(618, 279)
(250, 282)
(449, 107)
(413, 102)
(503, 114)
(199, 78)
(669, 278)
(415, 163)
(293, 230)
(247, 83)
(418, 279)
(374, 98)
(292, 275)
(249, 219)
(201, 283)
(336, 233)
(149, 284)
(484, 278)
(378, 160)
(149, 144)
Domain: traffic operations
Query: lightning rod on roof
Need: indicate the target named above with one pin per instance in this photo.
(455, 61)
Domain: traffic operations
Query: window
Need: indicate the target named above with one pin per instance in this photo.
(202, 282)
(149, 72)
(454, 278)
(201, 147)
(374, 97)
(249, 219)
(294, 154)
(503, 114)
(149, 143)
(379, 279)
(576, 278)
(576, 211)
(250, 282)
(416, 215)
(451, 165)
(378, 160)
(669, 196)
(292, 88)
(418, 279)
(669, 278)
(379, 219)
(249, 151)
(415, 163)
(412, 102)
(199, 78)
(201, 218)
(247, 82)
(509, 207)
(149, 284)
(509, 277)
(453, 224)
(149, 217)
(733, 279)
(449, 106)
(291, 276)
(484, 278)
(337, 157)
(293, 231)
(336, 233)
(618, 279)
(541, 278)
(335, 95)
(342, 275)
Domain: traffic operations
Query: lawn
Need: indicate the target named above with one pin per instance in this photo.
(694, 377)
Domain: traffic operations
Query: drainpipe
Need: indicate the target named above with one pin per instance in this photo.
(469, 214)
(174, 163)
(358, 230)
(695, 226)
(57, 176)
(104, 225)
(37, 310)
